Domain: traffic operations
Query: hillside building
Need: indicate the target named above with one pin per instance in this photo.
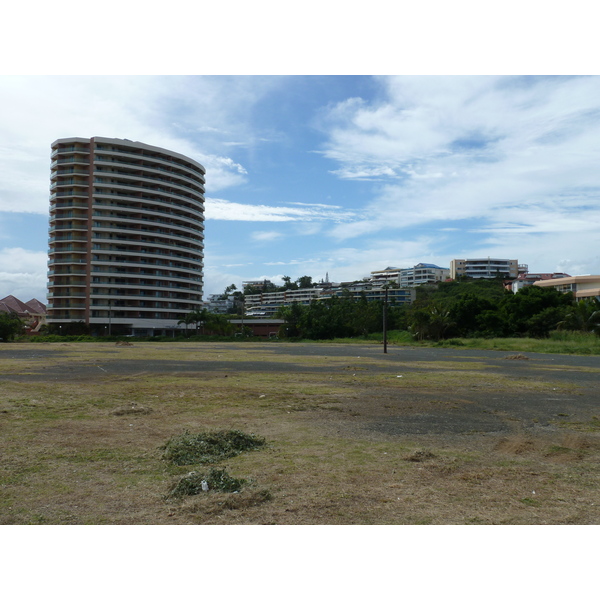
(220, 304)
(420, 274)
(267, 304)
(387, 275)
(582, 286)
(527, 279)
(486, 268)
(423, 273)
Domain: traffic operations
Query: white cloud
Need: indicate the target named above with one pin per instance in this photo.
(225, 210)
(266, 236)
(23, 274)
(191, 115)
(507, 150)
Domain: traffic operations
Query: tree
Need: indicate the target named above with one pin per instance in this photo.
(430, 323)
(467, 314)
(528, 302)
(189, 319)
(218, 324)
(288, 284)
(541, 324)
(304, 282)
(199, 317)
(292, 315)
(10, 326)
(584, 315)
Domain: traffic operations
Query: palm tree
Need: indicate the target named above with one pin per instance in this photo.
(584, 315)
(197, 317)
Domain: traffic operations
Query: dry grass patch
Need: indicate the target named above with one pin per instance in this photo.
(89, 451)
(132, 409)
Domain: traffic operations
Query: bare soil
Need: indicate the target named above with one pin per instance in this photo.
(355, 436)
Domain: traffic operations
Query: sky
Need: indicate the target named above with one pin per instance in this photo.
(329, 176)
(319, 162)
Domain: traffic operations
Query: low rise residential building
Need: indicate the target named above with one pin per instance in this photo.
(32, 313)
(423, 273)
(267, 304)
(486, 268)
(373, 291)
(527, 279)
(266, 328)
(220, 304)
(582, 286)
(387, 275)
(258, 284)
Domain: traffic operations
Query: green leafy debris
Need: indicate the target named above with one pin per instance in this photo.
(215, 479)
(193, 448)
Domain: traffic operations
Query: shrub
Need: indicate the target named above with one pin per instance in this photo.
(189, 448)
(217, 479)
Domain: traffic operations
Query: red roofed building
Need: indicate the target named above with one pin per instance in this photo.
(32, 313)
(526, 279)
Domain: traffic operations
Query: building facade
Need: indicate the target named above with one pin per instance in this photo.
(387, 275)
(582, 286)
(527, 279)
(267, 304)
(126, 242)
(219, 304)
(32, 313)
(486, 268)
(373, 291)
(423, 273)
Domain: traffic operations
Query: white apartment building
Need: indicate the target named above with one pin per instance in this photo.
(423, 273)
(266, 304)
(412, 277)
(486, 268)
(126, 235)
(219, 304)
(387, 275)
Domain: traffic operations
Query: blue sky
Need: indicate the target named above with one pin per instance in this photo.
(337, 175)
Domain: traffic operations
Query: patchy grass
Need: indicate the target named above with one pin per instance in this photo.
(76, 451)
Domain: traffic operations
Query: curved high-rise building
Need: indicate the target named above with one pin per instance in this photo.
(126, 236)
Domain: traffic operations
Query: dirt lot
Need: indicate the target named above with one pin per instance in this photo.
(415, 436)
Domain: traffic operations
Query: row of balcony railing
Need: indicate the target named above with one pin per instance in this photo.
(73, 313)
(70, 149)
(189, 298)
(141, 174)
(136, 153)
(175, 210)
(135, 252)
(194, 243)
(170, 275)
(142, 188)
(147, 221)
(151, 167)
(138, 167)
(83, 193)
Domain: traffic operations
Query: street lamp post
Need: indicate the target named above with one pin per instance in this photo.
(109, 315)
(385, 320)
(243, 310)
